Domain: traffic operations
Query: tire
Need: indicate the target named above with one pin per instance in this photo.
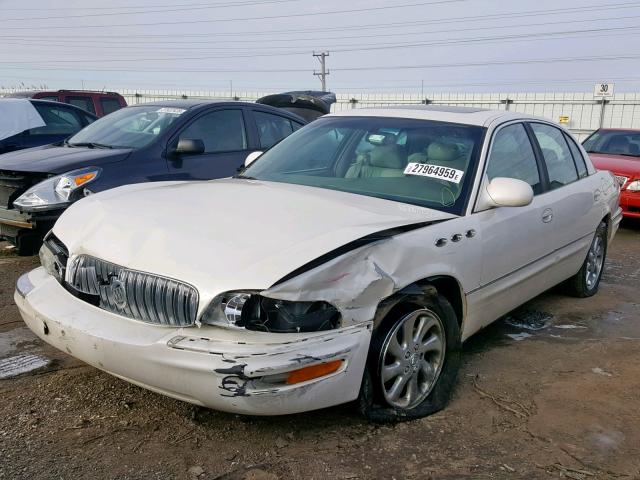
(586, 282)
(28, 244)
(431, 386)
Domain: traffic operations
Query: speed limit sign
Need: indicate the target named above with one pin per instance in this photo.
(603, 90)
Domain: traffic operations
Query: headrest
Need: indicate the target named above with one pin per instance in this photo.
(386, 156)
(442, 152)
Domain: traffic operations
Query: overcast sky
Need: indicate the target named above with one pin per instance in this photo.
(374, 45)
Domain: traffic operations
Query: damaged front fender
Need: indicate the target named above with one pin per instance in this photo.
(358, 281)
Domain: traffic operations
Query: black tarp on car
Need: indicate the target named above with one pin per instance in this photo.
(308, 104)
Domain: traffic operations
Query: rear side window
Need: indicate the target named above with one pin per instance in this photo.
(85, 103)
(577, 157)
(220, 131)
(109, 105)
(59, 121)
(557, 157)
(272, 128)
(512, 156)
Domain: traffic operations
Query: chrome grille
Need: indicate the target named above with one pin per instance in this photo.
(130, 293)
(621, 180)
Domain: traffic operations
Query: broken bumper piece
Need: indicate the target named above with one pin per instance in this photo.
(236, 371)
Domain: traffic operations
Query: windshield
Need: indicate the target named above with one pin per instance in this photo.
(420, 162)
(614, 143)
(132, 127)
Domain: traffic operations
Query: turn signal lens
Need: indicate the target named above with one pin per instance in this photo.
(82, 179)
(314, 371)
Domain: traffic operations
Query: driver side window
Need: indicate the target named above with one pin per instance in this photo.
(220, 131)
(512, 156)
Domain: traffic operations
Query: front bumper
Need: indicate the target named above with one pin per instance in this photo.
(209, 366)
(630, 203)
(14, 218)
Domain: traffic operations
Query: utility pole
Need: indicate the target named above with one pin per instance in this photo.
(323, 69)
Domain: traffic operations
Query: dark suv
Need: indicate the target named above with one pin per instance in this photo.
(98, 103)
(171, 140)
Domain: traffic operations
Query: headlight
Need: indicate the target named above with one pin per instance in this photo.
(634, 186)
(254, 312)
(50, 262)
(56, 192)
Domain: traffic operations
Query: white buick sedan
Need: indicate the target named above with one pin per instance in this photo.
(348, 262)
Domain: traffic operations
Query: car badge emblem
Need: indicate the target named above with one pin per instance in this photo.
(119, 294)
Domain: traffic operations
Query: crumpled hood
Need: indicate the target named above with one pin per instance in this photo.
(59, 159)
(227, 234)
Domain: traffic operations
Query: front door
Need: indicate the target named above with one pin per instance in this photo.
(515, 239)
(224, 136)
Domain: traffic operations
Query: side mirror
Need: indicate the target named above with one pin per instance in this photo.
(252, 157)
(189, 146)
(505, 192)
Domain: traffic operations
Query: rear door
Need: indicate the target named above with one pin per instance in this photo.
(571, 195)
(224, 134)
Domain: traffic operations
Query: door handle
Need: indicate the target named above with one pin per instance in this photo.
(547, 215)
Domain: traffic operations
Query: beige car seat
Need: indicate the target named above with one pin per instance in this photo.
(382, 161)
(444, 155)
(441, 153)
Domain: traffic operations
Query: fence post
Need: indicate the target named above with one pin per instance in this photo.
(506, 102)
(604, 102)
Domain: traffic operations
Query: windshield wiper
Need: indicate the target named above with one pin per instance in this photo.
(89, 145)
(244, 177)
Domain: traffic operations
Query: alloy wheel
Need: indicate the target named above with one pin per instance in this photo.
(595, 261)
(412, 358)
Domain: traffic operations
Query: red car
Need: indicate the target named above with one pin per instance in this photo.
(98, 103)
(618, 150)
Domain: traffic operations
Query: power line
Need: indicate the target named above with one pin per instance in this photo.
(357, 68)
(126, 44)
(167, 9)
(244, 19)
(358, 47)
(120, 7)
(360, 26)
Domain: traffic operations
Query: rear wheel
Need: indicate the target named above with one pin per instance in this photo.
(413, 362)
(586, 282)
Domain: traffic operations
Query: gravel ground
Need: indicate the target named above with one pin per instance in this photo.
(551, 391)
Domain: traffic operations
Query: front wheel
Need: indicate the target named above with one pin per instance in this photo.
(586, 282)
(413, 362)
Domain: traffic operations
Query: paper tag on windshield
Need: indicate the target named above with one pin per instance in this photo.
(434, 171)
(174, 111)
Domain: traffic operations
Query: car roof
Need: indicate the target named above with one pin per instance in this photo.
(31, 93)
(188, 104)
(442, 113)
